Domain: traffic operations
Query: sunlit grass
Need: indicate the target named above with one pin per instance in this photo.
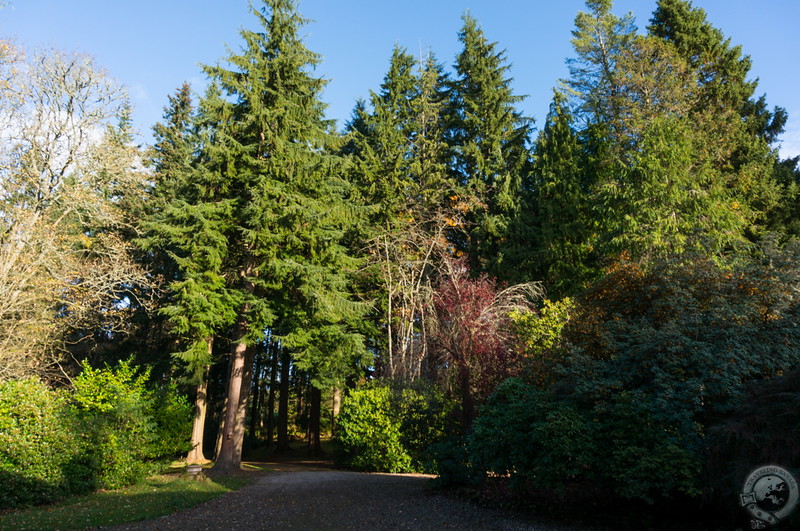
(158, 496)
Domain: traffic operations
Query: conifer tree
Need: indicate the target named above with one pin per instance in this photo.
(269, 158)
(398, 143)
(669, 160)
(174, 146)
(429, 151)
(562, 205)
(187, 231)
(738, 128)
(399, 160)
(599, 38)
(489, 138)
(381, 142)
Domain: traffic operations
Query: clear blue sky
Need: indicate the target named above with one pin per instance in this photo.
(152, 46)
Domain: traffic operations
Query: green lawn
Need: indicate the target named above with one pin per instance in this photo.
(158, 496)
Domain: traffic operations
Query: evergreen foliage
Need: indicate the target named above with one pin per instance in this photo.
(489, 140)
(564, 220)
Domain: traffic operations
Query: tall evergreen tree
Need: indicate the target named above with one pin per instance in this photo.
(269, 156)
(381, 142)
(739, 128)
(562, 204)
(429, 151)
(599, 38)
(187, 231)
(399, 161)
(489, 138)
(669, 160)
(398, 142)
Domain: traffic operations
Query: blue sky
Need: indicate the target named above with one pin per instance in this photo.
(152, 46)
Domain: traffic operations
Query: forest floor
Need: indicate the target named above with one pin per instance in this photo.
(292, 493)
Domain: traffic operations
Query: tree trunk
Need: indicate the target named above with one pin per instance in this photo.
(199, 422)
(273, 378)
(244, 397)
(315, 409)
(229, 459)
(256, 391)
(337, 405)
(221, 428)
(283, 405)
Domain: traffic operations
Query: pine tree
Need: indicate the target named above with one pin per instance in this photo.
(186, 234)
(739, 128)
(489, 139)
(269, 157)
(562, 205)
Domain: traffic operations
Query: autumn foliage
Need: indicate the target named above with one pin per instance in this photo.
(473, 337)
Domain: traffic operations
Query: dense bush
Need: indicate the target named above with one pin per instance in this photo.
(558, 440)
(761, 428)
(387, 430)
(40, 456)
(129, 428)
(110, 430)
(646, 361)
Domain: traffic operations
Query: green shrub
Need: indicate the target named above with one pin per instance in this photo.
(527, 434)
(646, 358)
(40, 460)
(540, 439)
(173, 416)
(427, 417)
(450, 461)
(129, 429)
(368, 432)
(380, 429)
(110, 431)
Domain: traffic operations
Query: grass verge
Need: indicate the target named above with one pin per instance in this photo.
(156, 497)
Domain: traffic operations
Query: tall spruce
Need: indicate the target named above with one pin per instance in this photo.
(434, 188)
(381, 137)
(562, 205)
(489, 139)
(400, 163)
(739, 127)
(269, 155)
(186, 233)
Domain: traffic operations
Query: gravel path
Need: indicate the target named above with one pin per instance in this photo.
(300, 497)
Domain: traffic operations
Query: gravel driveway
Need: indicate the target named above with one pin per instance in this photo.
(316, 498)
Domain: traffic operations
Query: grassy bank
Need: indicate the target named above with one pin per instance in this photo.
(156, 497)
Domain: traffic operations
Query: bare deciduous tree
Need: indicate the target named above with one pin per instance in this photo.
(66, 174)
